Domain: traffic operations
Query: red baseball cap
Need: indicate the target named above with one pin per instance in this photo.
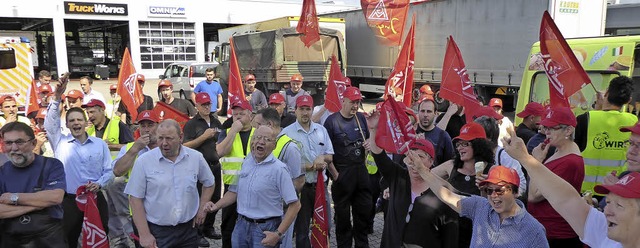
(42, 113)
(495, 102)
(165, 82)
(489, 112)
(243, 104)
(471, 131)
(499, 174)
(140, 77)
(6, 98)
(249, 77)
(148, 115)
(532, 108)
(93, 103)
(559, 116)
(634, 129)
(45, 88)
(304, 100)
(113, 87)
(353, 93)
(75, 94)
(426, 89)
(276, 98)
(628, 186)
(297, 77)
(202, 98)
(424, 145)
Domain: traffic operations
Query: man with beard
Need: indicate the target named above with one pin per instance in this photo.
(427, 127)
(531, 116)
(257, 99)
(263, 186)
(348, 130)
(31, 186)
(112, 131)
(166, 90)
(86, 162)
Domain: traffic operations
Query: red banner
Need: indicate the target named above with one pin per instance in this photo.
(400, 83)
(308, 24)
(320, 221)
(32, 99)
(93, 234)
(456, 86)
(236, 89)
(395, 131)
(566, 75)
(336, 85)
(165, 111)
(129, 89)
(386, 18)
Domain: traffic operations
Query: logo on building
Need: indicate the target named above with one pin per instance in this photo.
(95, 8)
(604, 141)
(164, 11)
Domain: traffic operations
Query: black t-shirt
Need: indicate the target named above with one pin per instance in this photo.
(124, 136)
(441, 142)
(347, 138)
(244, 137)
(455, 124)
(184, 106)
(196, 127)
(147, 104)
(525, 133)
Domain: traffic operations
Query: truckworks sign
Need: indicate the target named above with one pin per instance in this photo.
(95, 8)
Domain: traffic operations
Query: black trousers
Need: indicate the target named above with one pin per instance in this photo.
(53, 237)
(73, 217)
(229, 217)
(179, 236)
(351, 195)
(374, 184)
(301, 226)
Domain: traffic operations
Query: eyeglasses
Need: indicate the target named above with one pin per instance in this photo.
(265, 138)
(20, 143)
(556, 128)
(499, 191)
(463, 144)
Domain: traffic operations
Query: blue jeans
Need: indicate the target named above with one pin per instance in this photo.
(249, 234)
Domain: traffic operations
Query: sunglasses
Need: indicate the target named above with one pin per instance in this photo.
(463, 144)
(499, 191)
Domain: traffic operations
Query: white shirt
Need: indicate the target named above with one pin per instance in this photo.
(93, 94)
(503, 129)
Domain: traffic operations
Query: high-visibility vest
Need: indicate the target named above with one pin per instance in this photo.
(372, 167)
(111, 133)
(606, 146)
(129, 145)
(232, 162)
(280, 144)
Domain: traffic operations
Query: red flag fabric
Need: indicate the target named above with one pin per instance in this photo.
(165, 111)
(235, 89)
(386, 18)
(395, 131)
(335, 87)
(129, 90)
(456, 86)
(320, 221)
(400, 83)
(566, 75)
(32, 98)
(308, 24)
(93, 234)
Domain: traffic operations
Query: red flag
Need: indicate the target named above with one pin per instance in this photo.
(129, 90)
(308, 24)
(386, 18)
(93, 234)
(456, 86)
(400, 83)
(566, 75)
(337, 83)
(235, 89)
(320, 221)
(32, 98)
(395, 131)
(165, 111)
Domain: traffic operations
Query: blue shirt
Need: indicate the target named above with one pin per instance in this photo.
(213, 89)
(290, 156)
(24, 180)
(169, 189)
(520, 230)
(262, 187)
(314, 143)
(123, 151)
(83, 162)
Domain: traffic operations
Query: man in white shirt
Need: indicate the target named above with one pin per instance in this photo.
(86, 83)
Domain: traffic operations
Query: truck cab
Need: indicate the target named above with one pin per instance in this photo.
(16, 67)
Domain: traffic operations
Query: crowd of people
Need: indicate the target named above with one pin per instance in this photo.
(555, 180)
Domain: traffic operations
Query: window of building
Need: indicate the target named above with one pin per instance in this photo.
(163, 43)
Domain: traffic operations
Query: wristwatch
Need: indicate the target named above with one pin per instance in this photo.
(14, 199)
(279, 234)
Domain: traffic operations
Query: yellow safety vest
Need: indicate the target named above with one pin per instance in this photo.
(282, 141)
(606, 146)
(112, 132)
(232, 162)
(372, 167)
(129, 145)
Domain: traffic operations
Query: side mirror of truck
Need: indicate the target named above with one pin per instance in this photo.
(217, 54)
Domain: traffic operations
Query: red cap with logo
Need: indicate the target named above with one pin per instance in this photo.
(495, 102)
(426, 89)
(559, 116)
(241, 103)
(499, 174)
(140, 77)
(113, 87)
(532, 108)
(75, 94)
(93, 103)
(148, 115)
(634, 129)
(165, 82)
(6, 98)
(353, 93)
(276, 98)
(424, 145)
(304, 100)
(42, 113)
(45, 88)
(202, 98)
(471, 131)
(297, 77)
(249, 77)
(489, 112)
(628, 186)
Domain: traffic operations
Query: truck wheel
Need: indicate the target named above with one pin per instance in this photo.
(371, 95)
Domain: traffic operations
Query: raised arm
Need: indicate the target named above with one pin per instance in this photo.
(437, 185)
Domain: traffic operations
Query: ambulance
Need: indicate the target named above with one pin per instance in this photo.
(603, 58)
(16, 67)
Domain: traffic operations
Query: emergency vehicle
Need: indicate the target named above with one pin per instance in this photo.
(16, 67)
